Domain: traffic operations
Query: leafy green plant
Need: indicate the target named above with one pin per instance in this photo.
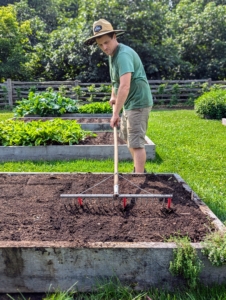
(173, 100)
(97, 107)
(176, 89)
(212, 104)
(191, 99)
(91, 88)
(33, 88)
(104, 88)
(36, 133)
(78, 91)
(105, 98)
(48, 89)
(62, 90)
(44, 104)
(161, 88)
(160, 91)
(192, 85)
(93, 91)
(5, 92)
(18, 93)
(91, 98)
(205, 87)
(186, 262)
(175, 93)
(214, 247)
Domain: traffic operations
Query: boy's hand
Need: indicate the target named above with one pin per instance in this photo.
(111, 101)
(115, 120)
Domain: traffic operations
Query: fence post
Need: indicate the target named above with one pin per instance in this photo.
(209, 82)
(10, 92)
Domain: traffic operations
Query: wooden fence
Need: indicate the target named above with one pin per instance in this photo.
(163, 91)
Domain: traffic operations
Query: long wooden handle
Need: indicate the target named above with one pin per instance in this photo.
(116, 191)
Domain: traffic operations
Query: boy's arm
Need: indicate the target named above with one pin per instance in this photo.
(121, 97)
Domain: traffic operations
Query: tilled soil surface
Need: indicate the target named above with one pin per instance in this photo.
(32, 209)
(102, 138)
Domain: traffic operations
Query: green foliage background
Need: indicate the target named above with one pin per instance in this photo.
(43, 40)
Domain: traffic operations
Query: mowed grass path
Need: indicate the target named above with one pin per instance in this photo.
(195, 149)
(192, 147)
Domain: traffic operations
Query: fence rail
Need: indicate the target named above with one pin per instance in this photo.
(164, 91)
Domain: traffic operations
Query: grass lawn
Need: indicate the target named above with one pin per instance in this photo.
(192, 147)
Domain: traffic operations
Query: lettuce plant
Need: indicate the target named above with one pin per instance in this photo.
(39, 133)
(45, 104)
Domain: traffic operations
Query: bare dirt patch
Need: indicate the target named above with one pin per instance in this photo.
(32, 209)
(102, 138)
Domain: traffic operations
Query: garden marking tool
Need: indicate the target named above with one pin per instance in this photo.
(116, 194)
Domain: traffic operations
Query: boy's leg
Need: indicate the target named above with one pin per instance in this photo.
(139, 159)
(137, 121)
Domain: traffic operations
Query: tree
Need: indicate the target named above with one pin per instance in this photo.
(57, 51)
(13, 36)
(178, 39)
(46, 11)
(199, 30)
(144, 23)
(6, 2)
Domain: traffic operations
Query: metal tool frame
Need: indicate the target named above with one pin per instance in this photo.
(116, 182)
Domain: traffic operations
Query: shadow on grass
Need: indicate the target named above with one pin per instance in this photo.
(158, 160)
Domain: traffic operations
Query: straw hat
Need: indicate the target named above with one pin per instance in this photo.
(101, 27)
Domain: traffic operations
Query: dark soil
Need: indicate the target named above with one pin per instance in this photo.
(102, 138)
(32, 209)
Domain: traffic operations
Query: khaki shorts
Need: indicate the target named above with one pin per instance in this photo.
(133, 126)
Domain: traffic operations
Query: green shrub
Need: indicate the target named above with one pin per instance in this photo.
(95, 108)
(37, 133)
(45, 104)
(214, 247)
(186, 262)
(212, 104)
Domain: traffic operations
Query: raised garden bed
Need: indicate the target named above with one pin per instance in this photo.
(101, 147)
(49, 242)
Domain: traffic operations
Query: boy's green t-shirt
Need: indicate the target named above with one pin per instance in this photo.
(126, 60)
